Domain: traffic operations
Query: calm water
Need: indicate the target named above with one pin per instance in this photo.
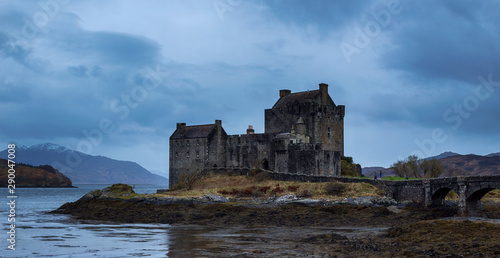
(39, 234)
(52, 235)
(49, 235)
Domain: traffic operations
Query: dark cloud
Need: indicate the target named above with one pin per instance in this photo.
(67, 75)
(455, 41)
(323, 14)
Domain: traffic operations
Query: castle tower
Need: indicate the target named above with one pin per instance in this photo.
(301, 126)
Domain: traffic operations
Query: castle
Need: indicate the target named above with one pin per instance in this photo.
(304, 134)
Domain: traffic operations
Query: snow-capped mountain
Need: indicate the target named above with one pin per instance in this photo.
(47, 147)
(85, 169)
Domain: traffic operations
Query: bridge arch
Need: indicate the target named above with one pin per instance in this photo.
(473, 201)
(439, 195)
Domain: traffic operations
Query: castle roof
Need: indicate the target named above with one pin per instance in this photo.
(300, 97)
(194, 131)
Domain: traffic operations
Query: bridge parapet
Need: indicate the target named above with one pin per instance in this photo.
(433, 191)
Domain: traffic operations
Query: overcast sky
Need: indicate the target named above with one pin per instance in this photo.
(114, 77)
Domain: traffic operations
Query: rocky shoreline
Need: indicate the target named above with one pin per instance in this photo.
(407, 229)
(288, 210)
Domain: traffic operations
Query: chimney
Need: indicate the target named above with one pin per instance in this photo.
(250, 130)
(181, 125)
(218, 123)
(284, 93)
(323, 88)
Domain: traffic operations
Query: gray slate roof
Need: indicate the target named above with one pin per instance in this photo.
(195, 131)
(300, 97)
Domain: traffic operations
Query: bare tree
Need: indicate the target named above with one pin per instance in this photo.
(418, 168)
(431, 168)
(407, 167)
(187, 179)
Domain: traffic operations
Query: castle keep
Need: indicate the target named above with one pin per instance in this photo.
(304, 134)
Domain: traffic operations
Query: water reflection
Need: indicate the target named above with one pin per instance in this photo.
(195, 241)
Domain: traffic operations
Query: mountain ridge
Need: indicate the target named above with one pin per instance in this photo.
(454, 164)
(82, 168)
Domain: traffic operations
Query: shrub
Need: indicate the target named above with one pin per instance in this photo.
(277, 189)
(261, 177)
(252, 191)
(253, 172)
(305, 193)
(335, 188)
(249, 192)
(120, 188)
(348, 167)
(264, 189)
(187, 179)
(223, 192)
(293, 188)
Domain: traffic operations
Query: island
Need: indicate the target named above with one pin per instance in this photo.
(309, 209)
(33, 176)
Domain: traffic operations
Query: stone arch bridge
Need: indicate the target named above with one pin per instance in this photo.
(432, 192)
(429, 192)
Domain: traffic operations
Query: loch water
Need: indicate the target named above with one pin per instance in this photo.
(42, 234)
(39, 234)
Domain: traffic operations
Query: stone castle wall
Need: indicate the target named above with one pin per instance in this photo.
(304, 134)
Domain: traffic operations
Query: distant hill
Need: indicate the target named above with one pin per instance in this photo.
(85, 169)
(471, 165)
(443, 155)
(455, 165)
(29, 176)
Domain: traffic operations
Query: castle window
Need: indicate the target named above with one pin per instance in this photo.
(329, 133)
(198, 142)
(187, 144)
(187, 154)
(176, 155)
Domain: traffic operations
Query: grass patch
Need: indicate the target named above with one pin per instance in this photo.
(120, 189)
(247, 186)
(335, 188)
(451, 196)
(123, 191)
(492, 196)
